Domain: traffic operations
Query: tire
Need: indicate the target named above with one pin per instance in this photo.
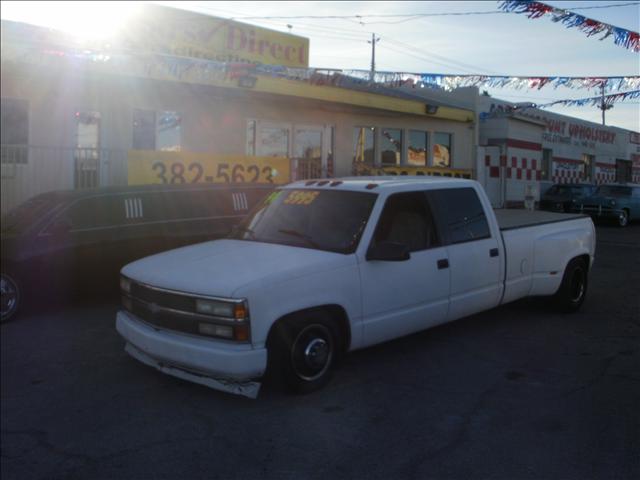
(303, 351)
(10, 296)
(573, 288)
(623, 219)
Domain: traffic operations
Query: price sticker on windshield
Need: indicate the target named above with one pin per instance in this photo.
(301, 197)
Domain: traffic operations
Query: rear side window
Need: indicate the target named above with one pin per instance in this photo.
(96, 212)
(462, 214)
(196, 204)
(407, 219)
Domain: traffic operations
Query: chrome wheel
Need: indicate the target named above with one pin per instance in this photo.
(312, 352)
(9, 297)
(623, 219)
(577, 285)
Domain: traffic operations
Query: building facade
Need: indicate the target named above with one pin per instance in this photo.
(74, 119)
(526, 150)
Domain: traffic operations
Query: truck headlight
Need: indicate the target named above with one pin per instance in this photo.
(219, 308)
(125, 284)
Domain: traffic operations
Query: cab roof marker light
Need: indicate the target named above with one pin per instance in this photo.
(371, 186)
(336, 183)
(323, 183)
(310, 182)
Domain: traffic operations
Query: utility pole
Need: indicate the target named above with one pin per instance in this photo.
(373, 42)
(603, 106)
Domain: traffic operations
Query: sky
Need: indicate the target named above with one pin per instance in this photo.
(499, 44)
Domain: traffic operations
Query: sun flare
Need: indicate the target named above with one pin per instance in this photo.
(84, 20)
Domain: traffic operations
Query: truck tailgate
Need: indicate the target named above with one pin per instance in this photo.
(509, 219)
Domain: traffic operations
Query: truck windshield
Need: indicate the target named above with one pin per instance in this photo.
(331, 220)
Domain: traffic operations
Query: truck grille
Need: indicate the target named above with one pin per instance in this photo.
(163, 299)
(161, 309)
(161, 318)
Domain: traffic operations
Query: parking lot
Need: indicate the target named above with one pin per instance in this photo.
(517, 392)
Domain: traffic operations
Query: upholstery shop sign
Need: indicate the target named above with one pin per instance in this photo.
(189, 34)
(559, 131)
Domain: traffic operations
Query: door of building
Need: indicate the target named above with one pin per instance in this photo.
(623, 171)
(308, 151)
(87, 151)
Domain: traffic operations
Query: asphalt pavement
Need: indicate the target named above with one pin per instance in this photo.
(519, 392)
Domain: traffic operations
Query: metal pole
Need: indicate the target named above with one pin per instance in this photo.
(373, 42)
(602, 106)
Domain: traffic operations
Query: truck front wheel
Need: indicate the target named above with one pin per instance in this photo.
(573, 288)
(303, 351)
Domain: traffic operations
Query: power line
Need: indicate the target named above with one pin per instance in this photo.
(411, 15)
(397, 50)
(421, 52)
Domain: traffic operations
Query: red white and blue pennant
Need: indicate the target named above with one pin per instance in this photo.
(621, 36)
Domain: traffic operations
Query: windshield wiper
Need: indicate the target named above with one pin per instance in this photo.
(241, 229)
(295, 233)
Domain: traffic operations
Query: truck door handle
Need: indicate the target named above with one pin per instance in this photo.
(494, 252)
(443, 263)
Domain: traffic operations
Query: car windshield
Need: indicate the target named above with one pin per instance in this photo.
(613, 191)
(319, 219)
(567, 190)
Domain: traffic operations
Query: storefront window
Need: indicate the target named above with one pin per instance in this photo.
(144, 130)
(14, 130)
(418, 145)
(442, 149)
(156, 130)
(391, 141)
(274, 142)
(364, 145)
(168, 131)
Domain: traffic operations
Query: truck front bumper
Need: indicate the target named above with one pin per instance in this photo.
(226, 367)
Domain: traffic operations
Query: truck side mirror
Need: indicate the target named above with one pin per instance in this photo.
(389, 252)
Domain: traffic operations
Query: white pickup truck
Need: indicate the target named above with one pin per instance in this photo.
(326, 267)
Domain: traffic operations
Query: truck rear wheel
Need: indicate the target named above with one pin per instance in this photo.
(573, 288)
(303, 351)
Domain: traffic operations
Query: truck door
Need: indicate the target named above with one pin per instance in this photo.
(474, 253)
(401, 297)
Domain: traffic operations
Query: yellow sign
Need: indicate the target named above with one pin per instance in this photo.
(300, 197)
(190, 34)
(366, 170)
(150, 166)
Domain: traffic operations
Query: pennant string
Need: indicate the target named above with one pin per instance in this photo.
(622, 37)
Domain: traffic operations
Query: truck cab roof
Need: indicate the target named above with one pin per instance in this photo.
(380, 183)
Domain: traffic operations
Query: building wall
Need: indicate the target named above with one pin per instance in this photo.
(567, 139)
(213, 120)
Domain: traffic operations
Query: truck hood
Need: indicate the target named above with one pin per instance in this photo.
(220, 267)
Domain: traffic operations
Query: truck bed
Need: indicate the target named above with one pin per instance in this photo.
(510, 219)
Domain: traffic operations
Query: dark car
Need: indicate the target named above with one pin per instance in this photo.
(561, 197)
(65, 242)
(617, 202)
